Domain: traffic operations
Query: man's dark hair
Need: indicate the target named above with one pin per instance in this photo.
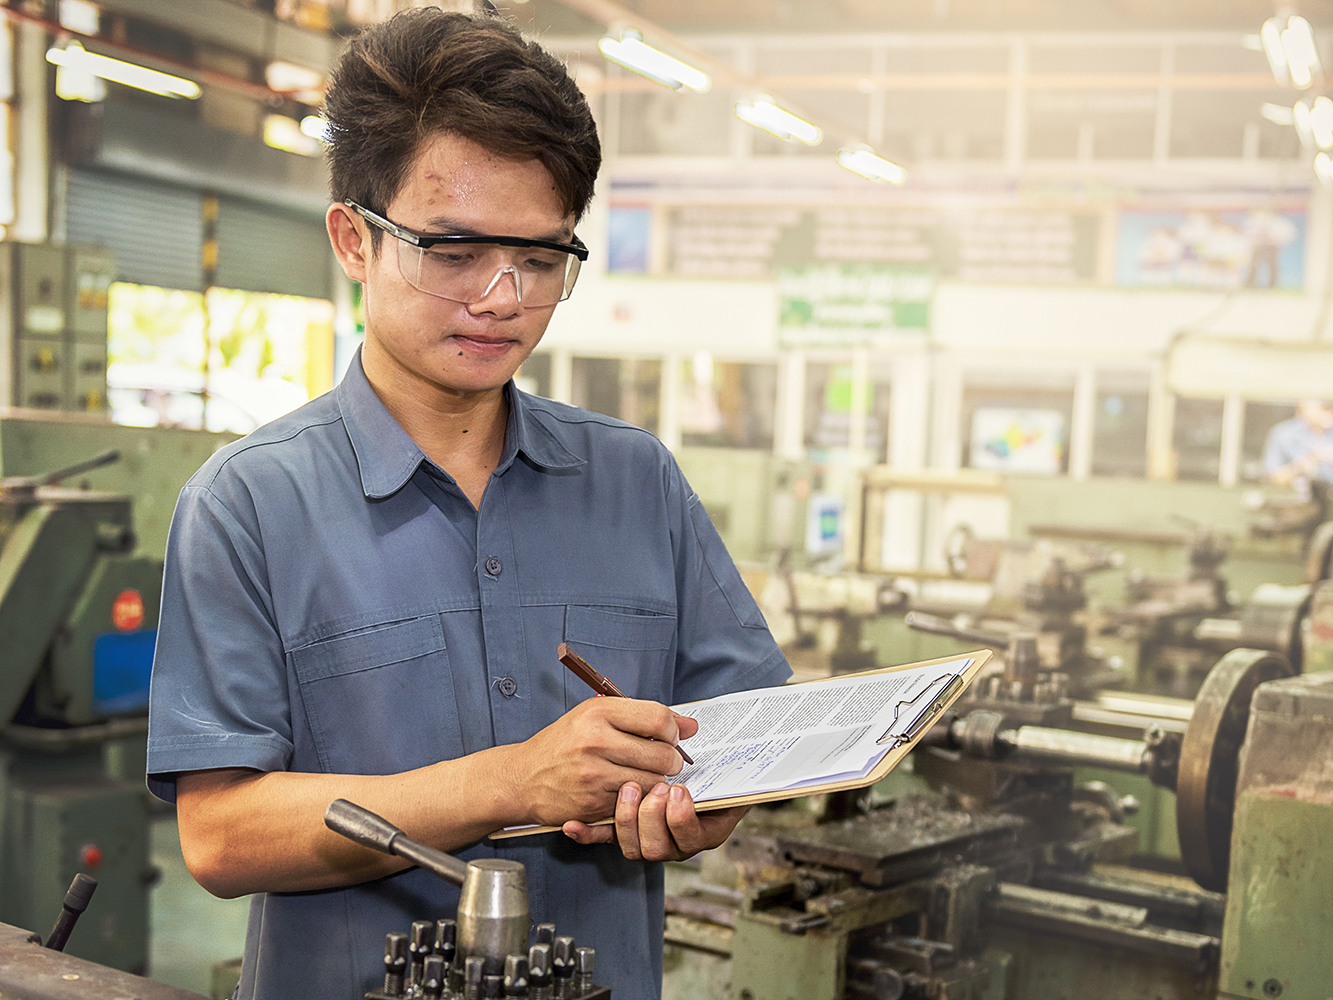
(426, 71)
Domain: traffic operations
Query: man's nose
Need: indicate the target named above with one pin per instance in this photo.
(503, 295)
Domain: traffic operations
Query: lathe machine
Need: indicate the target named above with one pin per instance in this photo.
(991, 874)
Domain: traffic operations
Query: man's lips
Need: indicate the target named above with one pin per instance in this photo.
(489, 346)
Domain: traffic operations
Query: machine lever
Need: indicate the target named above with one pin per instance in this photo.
(923, 622)
(76, 901)
(365, 828)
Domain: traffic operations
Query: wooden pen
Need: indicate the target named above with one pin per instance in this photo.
(602, 685)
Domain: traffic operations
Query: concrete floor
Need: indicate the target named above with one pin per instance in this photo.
(189, 930)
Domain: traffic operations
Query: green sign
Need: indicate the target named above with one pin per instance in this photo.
(852, 304)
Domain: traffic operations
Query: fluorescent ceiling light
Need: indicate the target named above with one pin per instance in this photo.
(285, 133)
(79, 15)
(74, 57)
(315, 127)
(1321, 122)
(1302, 117)
(866, 163)
(1323, 169)
(764, 114)
(630, 51)
(305, 85)
(1278, 114)
(1302, 56)
(1270, 36)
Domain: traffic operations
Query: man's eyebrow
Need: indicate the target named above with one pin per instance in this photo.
(443, 226)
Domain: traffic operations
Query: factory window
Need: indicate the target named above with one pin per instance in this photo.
(944, 124)
(1011, 426)
(828, 407)
(535, 375)
(727, 404)
(226, 361)
(1196, 439)
(628, 389)
(1120, 425)
(1260, 419)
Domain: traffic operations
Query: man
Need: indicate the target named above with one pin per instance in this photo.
(1301, 448)
(363, 599)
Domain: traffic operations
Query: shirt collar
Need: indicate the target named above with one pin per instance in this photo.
(387, 457)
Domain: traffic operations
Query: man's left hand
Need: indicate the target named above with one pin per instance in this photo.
(659, 826)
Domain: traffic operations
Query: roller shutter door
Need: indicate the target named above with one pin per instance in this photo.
(264, 249)
(154, 229)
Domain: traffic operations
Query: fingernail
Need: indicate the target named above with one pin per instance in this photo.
(629, 793)
(660, 788)
(677, 793)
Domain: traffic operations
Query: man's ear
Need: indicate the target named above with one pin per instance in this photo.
(351, 240)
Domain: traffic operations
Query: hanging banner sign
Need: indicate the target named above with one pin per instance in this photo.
(852, 304)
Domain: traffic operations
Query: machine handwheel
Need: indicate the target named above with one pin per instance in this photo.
(956, 544)
(1319, 554)
(1210, 759)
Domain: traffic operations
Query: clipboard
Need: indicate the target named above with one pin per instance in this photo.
(921, 714)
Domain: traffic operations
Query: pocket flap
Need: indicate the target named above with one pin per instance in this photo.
(617, 629)
(378, 647)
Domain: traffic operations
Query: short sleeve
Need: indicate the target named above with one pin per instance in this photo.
(1278, 448)
(219, 695)
(724, 642)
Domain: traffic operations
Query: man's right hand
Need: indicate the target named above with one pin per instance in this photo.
(575, 767)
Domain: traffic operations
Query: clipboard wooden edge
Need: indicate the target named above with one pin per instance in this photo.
(891, 759)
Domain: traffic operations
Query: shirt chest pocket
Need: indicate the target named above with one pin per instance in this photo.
(635, 651)
(380, 701)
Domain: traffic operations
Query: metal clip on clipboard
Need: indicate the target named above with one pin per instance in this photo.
(934, 706)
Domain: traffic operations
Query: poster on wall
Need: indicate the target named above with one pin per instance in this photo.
(1010, 439)
(849, 304)
(1256, 248)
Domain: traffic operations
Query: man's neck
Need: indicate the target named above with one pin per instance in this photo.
(462, 433)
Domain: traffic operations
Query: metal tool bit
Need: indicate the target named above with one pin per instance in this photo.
(419, 944)
(474, 971)
(585, 961)
(562, 967)
(539, 971)
(493, 987)
(546, 934)
(516, 976)
(446, 940)
(395, 964)
(432, 977)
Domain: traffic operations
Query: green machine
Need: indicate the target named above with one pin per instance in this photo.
(78, 612)
(993, 873)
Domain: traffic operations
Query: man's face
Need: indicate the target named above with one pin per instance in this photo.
(456, 186)
(1316, 413)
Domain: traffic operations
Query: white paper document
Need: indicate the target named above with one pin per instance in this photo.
(779, 739)
(784, 739)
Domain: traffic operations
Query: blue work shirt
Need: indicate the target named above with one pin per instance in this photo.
(333, 603)
(1294, 439)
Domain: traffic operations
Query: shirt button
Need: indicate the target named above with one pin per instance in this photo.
(493, 566)
(508, 686)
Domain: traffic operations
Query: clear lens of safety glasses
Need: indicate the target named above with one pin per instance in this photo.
(470, 272)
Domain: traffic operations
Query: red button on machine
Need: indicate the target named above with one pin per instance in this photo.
(90, 856)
